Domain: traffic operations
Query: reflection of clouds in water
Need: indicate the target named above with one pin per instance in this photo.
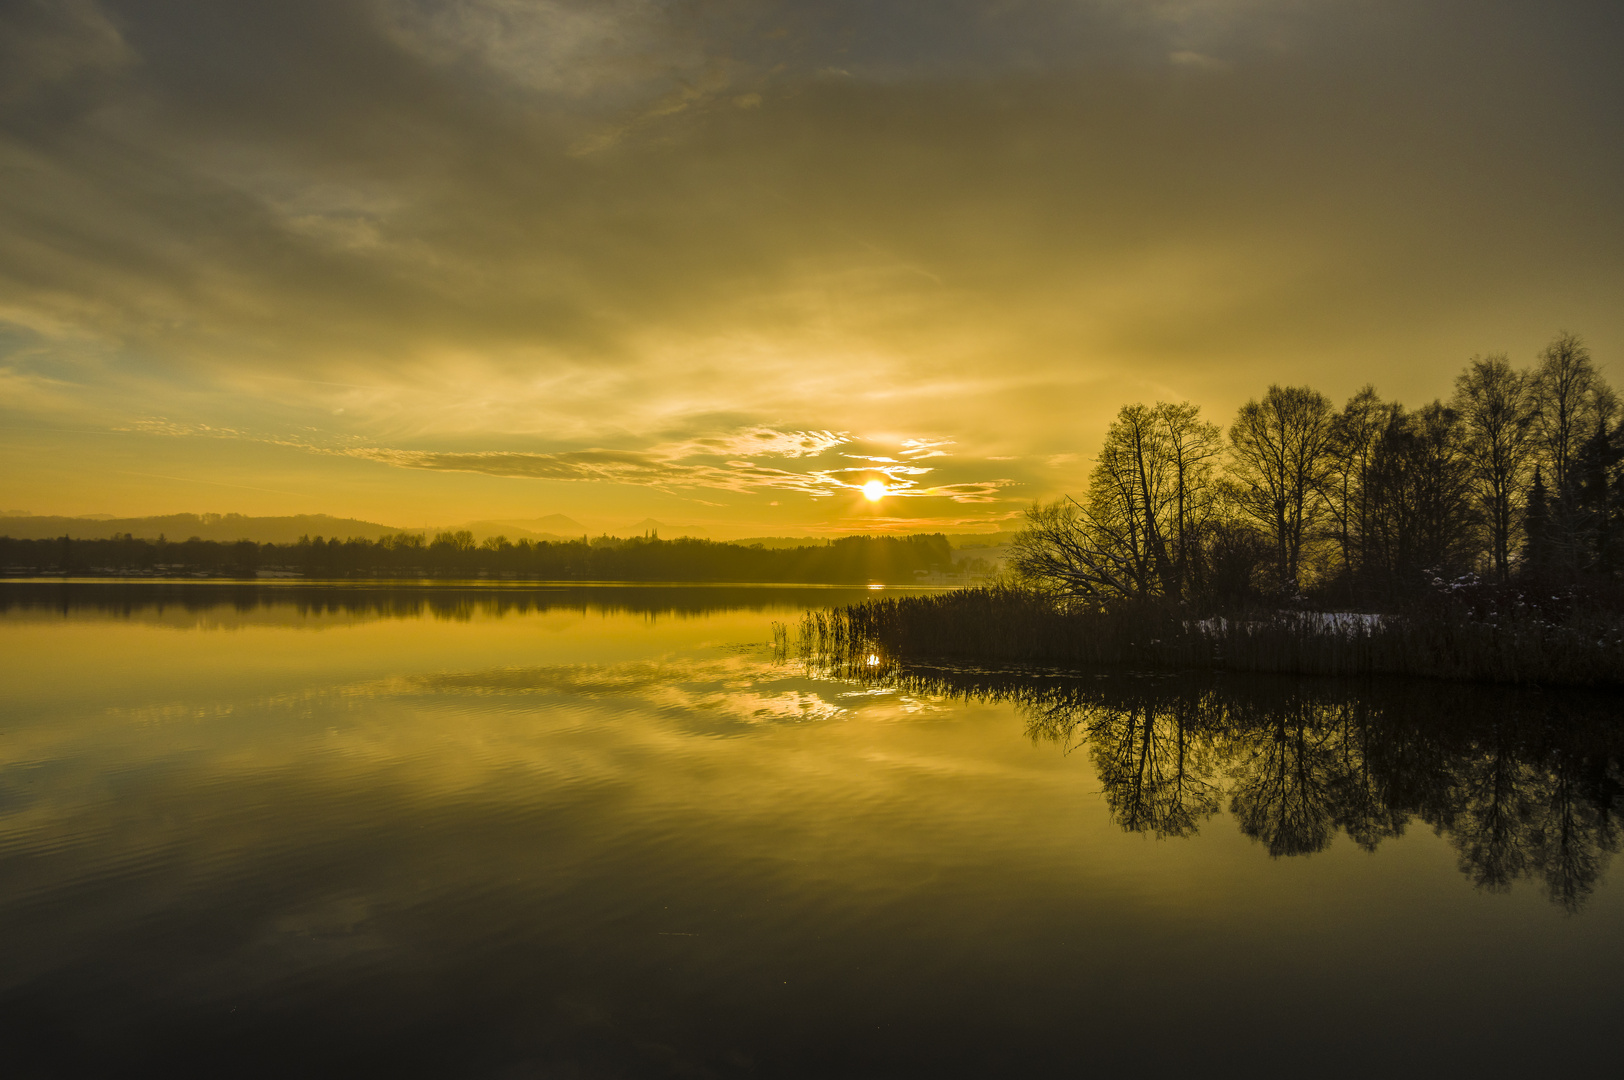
(460, 731)
(791, 705)
(736, 688)
(740, 687)
(709, 733)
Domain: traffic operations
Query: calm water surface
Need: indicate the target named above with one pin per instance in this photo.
(611, 832)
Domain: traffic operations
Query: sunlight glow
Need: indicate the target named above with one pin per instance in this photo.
(874, 490)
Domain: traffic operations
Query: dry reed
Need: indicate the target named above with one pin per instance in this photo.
(1006, 625)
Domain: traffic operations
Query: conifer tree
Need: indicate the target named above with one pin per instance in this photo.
(1536, 555)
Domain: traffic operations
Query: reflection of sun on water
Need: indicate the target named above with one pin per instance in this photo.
(874, 490)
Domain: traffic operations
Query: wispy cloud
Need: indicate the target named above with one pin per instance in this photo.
(656, 470)
(918, 448)
(720, 462)
(762, 442)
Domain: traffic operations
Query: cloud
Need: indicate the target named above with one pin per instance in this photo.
(554, 46)
(659, 470)
(48, 44)
(1190, 59)
(760, 441)
(159, 425)
(670, 467)
(361, 220)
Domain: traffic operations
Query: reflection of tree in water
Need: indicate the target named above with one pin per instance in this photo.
(1154, 755)
(1533, 793)
(1157, 769)
(1573, 831)
(1366, 809)
(1488, 819)
(1284, 793)
(1523, 784)
(1303, 767)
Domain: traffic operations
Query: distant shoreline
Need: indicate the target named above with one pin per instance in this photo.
(456, 583)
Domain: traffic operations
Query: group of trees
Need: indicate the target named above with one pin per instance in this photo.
(1515, 476)
(850, 560)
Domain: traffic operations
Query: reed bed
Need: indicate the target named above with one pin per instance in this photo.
(1008, 625)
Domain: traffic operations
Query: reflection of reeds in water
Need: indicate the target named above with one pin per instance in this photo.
(1011, 625)
(1524, 784)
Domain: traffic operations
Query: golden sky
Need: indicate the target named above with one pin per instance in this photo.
(720, 263)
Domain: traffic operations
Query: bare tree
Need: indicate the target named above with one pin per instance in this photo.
(1565, 388)
(1496, 405)
(1281, 450)
(1137, 534)
(1575, 404)
(1128, 496)
(1193, 450)
(1060, 553)
(1355, 434)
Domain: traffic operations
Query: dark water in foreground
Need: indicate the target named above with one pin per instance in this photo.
(608, 832)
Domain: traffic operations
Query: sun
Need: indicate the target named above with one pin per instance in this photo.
(874, 490)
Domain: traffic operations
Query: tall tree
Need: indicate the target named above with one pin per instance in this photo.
(1355, 434)
(1422, 514)
(1132, 496)
(1597, 502)
(1497, 410)
(1137, 534)
(1565, 388)
(1193, 450)
(1574, 402)
(1536, 553)
(1281, 449)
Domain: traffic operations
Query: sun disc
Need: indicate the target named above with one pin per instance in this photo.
(874, 490)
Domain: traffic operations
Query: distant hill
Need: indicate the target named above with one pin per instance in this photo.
(226, 527)
(553, 525)
(980, 540)
(510, 529)
(960, 541)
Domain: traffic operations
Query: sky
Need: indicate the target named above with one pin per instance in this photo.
(723, 263)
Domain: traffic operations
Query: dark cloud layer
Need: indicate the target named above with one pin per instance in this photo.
(532, 228)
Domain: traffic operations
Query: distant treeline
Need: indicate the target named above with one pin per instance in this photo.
(225, 600)
(851, 560)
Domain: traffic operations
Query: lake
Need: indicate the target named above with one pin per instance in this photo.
(612, 831)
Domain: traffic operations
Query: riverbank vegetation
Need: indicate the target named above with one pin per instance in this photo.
(1478, 538)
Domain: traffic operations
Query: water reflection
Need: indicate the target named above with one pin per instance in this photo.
(270, 601)
(438, 832)
(1524, 784)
